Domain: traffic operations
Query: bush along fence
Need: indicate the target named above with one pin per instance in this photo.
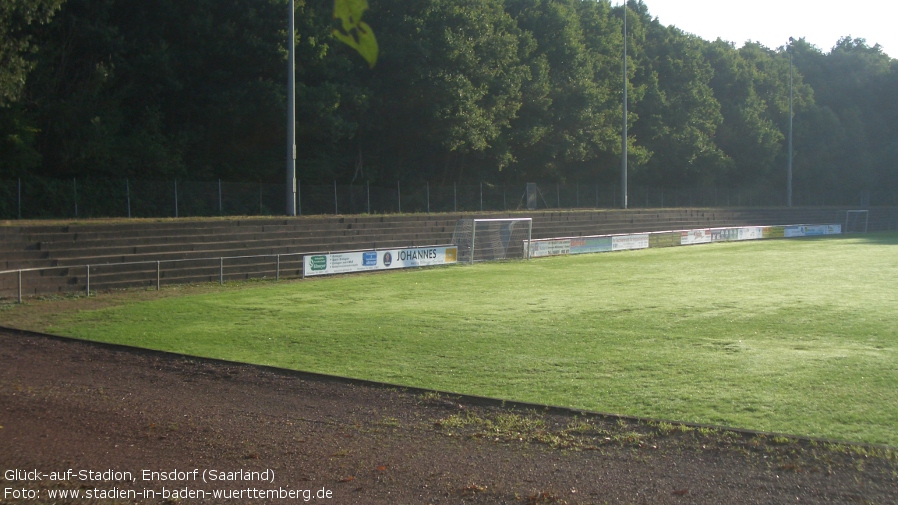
(37, 197)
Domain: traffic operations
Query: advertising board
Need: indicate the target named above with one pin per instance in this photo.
(699, 236)
(585, 245)
(579, 245)
(664, 239)
(629, 242)
(751, 233)
(774, 232)
(724, 234)
(542, 248)
(364, 261)
(605, 243)
(812, 230)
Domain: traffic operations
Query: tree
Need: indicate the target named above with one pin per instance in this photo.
(752, 86)
(569, 120)
(17, 50)
(848, 138)
(16, 42)
(447, 84)
(678, 113)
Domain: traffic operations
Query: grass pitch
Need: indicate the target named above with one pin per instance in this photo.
(792, 336)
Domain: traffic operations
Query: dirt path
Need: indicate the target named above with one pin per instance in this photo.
(95, 408)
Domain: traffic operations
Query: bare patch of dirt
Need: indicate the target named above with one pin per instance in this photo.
(67, 404)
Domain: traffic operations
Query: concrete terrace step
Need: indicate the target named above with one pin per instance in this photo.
(103, 257)
(60, 245)
(76, 250)
(191, 230)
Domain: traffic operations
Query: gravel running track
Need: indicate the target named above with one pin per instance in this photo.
(95, 408)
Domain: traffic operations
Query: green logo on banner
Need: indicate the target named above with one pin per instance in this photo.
(318, 263)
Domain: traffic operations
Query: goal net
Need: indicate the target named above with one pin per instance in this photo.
(492, 239)
(856, 221)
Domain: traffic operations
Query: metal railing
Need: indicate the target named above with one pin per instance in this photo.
(158, 271)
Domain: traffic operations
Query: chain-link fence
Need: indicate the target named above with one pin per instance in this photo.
(37, 197)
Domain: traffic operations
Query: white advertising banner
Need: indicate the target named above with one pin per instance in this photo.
(813, 230)
(690, 237)
(549, 248)
(724, 234)
(365, 261)
(629, 242)
(751, 233)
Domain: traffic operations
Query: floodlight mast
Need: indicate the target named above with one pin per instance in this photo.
(790, 49)
(623, 168)
(291, 116)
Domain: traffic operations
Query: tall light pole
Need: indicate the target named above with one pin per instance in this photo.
(623, 164)
(291, 117)
(789, 169)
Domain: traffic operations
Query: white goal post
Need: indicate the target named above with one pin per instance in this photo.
(856, 221)
(492, 239)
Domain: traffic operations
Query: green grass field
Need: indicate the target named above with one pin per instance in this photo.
(794, 336)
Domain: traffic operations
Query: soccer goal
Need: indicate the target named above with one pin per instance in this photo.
(492, 239)
(856, 221)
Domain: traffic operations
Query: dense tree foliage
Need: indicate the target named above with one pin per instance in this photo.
(462, 90)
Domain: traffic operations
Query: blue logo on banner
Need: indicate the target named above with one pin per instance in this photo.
(369, 259)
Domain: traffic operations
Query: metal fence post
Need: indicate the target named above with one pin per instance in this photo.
(87, 282)
(176, 198)
(20, 286)
(221, 271)
(157, 275)
(277, 270)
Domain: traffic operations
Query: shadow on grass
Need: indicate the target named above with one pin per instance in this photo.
(879, 237)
